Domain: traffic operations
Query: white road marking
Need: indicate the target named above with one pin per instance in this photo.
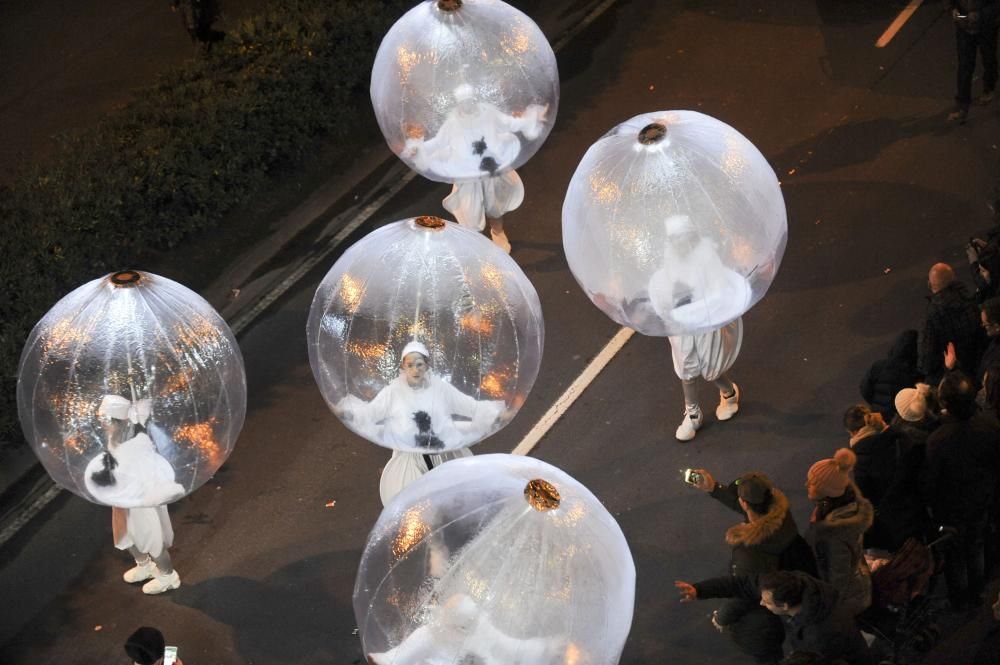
(898, 24)
(561, 405)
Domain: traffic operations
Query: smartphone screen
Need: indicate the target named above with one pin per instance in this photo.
(169, 655)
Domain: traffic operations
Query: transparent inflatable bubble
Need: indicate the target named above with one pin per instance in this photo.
(674, 223)
(464, 89)
(131, 390)
(425, 337)
(495, 559)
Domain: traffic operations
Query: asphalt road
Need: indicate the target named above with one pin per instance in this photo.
(878, 186)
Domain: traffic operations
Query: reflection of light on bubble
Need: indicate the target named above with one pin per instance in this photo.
(369, 351)
(604, 190)
(743, 253)
(74, 443)
(733, 162)
(201, 438)
(475, 586)
(406, 59)
(350, 293)
(177, 382)
(516, 42)
(412, 529)
(571, 516)
(494, 384)
(573, 655)
(62, 336)
(476, 322)
(492, 276)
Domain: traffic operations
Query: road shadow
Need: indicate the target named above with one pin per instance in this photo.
(292, 616)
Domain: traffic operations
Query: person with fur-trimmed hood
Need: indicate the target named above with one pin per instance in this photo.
(837, 527)
(766, 541)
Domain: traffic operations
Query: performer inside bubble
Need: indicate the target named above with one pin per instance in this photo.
(136, 481)
(693, 287)
(419, 411)
(459, 631)
(476, 139)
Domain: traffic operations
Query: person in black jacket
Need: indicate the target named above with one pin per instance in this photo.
(963, 464)
(951, 316)
(767, 540)
(810, 609)
(975, 31)
(889, 375)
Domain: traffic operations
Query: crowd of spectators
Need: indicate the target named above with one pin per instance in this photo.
(921, 465)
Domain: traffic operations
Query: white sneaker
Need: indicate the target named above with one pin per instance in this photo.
(728, 406)
(693, 419)
(161, 583)
(500, 240)
(141, 572)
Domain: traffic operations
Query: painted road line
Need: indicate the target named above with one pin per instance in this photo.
(898, 24)
(561, 405)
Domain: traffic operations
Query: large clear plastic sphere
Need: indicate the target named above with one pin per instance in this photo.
(674, 223)
(131, 390)
(464, 89)
(495, 559)
(425, 336)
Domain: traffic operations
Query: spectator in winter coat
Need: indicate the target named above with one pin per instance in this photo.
(984, 263)
(766, 541)
(988, 372)
(814, 618)
(963, 464)
(951, 317)
(877, 450)
(837, 527)
(888, 376)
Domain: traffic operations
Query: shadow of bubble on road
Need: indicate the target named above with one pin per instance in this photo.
(543, 257)
(290, 617)
(824, 251)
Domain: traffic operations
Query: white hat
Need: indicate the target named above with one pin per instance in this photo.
(414, 347)
(678, 224)
(911, 403)
(463, 92)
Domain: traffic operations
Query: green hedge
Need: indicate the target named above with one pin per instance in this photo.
(180, 156)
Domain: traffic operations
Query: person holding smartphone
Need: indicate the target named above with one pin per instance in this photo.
(146, 646)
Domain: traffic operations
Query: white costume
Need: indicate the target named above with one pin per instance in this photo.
(475, 138)
(472, 202)
(708, 355)
(458, 631)
(403, 468)
(693, 287)
(398, 416)
(137, 479)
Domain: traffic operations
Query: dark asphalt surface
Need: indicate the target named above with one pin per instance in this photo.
(878, 186)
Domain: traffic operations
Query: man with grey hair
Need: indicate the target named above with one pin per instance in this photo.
(951, 316)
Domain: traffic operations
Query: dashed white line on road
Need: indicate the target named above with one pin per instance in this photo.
(898, 24)
(561, 405)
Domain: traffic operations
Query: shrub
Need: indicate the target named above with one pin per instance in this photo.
(187, 150)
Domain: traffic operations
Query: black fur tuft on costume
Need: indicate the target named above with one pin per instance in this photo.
(425, 436)
(105, 477)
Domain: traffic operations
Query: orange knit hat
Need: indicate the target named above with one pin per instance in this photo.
(830, 477)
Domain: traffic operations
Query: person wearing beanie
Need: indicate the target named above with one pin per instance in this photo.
(767, 540)
(963, 464)
(837, 526)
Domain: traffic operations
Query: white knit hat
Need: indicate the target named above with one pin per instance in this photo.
(911, 403)
(414, 347)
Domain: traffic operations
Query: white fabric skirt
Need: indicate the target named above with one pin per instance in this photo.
(404, 468)
(148, 530)
(708, 355)
(472, 202)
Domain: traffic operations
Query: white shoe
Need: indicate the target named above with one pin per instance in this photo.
(141, 572)
(500, 240)
(161, 583)
(728, 406)
(693, 419)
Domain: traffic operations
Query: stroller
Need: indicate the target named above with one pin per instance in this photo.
(903, 612)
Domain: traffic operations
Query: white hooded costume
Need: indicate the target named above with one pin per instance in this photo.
(136, 478)
(394, 416)
(693, 287)
(458, 630)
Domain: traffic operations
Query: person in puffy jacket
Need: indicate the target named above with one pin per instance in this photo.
(889, 375)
